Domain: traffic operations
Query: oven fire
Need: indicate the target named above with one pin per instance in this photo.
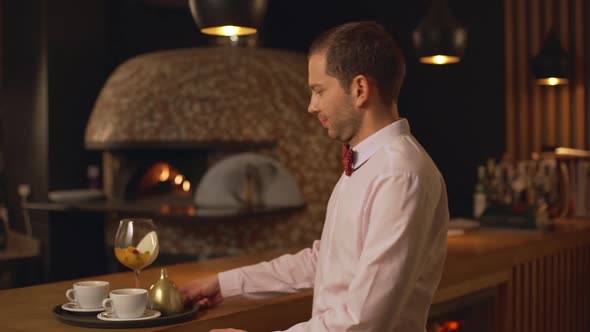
(448, 326)
(162, 179)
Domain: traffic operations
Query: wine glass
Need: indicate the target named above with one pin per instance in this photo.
(136, 244)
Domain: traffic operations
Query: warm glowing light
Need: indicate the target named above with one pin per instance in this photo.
(178, 179)
(228, 30)
(440, 59)
(191, 211)
(450, 326)
(562, 152)
(186, 186)
(165, 173)
(572, 152)
(552, 81)
(453, 325)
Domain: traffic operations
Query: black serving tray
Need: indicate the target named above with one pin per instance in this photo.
(90, 320)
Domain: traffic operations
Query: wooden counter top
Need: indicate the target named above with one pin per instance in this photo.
(492, 250)
(475, 261)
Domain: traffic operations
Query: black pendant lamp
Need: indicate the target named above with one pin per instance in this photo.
(439, 39)
(228, 17)
(552, 65)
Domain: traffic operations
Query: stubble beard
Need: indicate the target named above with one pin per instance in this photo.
(347, 122)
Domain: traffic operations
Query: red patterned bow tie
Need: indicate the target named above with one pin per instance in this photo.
(347, 159)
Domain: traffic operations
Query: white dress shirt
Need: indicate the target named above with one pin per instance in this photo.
(383, 246)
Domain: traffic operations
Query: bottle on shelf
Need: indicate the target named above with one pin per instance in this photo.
(93, 174)
(3, 227)
(480, 193)
(4, 222)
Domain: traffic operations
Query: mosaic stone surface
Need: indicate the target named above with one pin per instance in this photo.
(239, 94)
(224, 93)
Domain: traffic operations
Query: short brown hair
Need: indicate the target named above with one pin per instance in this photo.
(363, 48)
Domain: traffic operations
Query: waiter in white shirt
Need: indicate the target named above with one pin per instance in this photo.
(383, 245)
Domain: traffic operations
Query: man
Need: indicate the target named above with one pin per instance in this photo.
(383, 245)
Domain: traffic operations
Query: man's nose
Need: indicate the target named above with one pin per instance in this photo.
(312, 108)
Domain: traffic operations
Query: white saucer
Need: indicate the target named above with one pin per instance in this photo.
(73, 306)
(148, 314)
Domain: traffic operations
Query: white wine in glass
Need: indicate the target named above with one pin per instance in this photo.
(136, 244)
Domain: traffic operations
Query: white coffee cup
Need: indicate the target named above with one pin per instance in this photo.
(89, 294)
(126, 302)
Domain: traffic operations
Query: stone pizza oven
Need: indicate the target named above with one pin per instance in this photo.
(173, 114)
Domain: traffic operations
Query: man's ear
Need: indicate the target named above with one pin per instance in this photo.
(360, 91)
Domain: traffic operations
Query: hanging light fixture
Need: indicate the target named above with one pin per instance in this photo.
(228, 17)
(439, 39)
(552, 65)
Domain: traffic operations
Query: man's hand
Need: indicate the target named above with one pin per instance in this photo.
(227, 330)
(204, 291)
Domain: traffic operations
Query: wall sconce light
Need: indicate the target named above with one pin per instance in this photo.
(439, 39)
(551, 66)
(228, 17)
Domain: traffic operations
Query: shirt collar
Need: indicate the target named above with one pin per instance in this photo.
(370, 145)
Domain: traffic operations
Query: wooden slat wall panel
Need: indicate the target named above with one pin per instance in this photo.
(509, 19)
(535, 96)
(526, 301)
(564, 107)
(504, 307)
(577, 299)
(551, 293)
(539, 116)
(540, 303)
(569, 296)
(580, 78)
(534, 300)
(517, 300)
(585, 290)
(561, 298)
(549, 92)
(522, 77)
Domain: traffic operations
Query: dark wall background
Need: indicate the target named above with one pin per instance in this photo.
(23, 101)
(456, 111)
(58, 53)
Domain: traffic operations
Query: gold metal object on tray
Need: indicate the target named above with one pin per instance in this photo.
(164, 296)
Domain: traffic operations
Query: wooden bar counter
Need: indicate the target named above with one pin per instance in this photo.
(541, 278)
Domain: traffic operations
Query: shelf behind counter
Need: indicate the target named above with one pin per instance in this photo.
(172, 210)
